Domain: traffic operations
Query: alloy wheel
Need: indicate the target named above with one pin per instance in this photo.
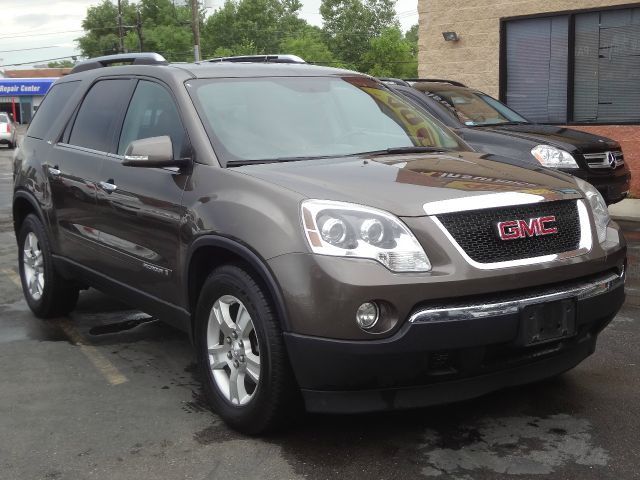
(33, 266)
(232, 347)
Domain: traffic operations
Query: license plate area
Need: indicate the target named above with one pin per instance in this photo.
(546, 322)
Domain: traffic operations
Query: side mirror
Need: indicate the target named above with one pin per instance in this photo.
(152, 152)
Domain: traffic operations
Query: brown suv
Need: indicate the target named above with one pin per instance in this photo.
(313, 232)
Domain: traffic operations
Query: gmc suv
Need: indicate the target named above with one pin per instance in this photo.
(320, 239)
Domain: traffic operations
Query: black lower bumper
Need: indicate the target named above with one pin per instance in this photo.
(427, 363)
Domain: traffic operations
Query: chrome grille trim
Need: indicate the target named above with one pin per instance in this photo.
(456, 312)
(600, 160)
(585, 245)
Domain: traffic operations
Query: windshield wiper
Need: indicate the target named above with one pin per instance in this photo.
(242, 163)
(413, 149)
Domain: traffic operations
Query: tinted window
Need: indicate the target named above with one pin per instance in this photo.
(4, 118)
(98, 115)
(152, 113)
(50, 109)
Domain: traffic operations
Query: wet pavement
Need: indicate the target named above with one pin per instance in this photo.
(112, 393)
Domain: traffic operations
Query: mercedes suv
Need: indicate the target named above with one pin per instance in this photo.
(323, 242)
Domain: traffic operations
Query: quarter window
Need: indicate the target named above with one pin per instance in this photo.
(51, 108)
(152, 113)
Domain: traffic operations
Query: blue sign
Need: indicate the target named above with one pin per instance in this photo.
(15, 87)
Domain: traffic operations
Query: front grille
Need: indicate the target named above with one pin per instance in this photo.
(600, 160)
(476, 232)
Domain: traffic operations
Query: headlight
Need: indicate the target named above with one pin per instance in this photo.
(553, 157)
(598, 207)
(348, 230)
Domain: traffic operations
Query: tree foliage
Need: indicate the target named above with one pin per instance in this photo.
(390, 55)
(358, 34)
(252, 26)
(166, 29)
(61, 64)
(349, 24)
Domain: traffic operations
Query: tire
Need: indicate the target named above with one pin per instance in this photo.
(11, 145)
(257, 406)
(47, 293)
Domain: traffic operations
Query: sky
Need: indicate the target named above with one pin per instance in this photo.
(40, 30)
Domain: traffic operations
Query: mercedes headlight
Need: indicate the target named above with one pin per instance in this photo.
(347, 230)
(598, 207)
(549, 156)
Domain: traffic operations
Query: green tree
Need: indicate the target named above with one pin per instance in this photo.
(256, 25)
(166, 29)
(411, 36)
(349, 24)
(390, 55)
(310, 46)
(61, 64)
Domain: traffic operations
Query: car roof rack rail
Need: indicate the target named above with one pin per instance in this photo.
(394, 81)
(259, 59)
(435, 80)
(148, 58)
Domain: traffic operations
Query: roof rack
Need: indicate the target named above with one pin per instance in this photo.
(394, 81)
(132, 58)
(435, 80)
(260, 59)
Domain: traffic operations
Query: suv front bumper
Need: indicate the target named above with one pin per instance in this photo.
(446, 353)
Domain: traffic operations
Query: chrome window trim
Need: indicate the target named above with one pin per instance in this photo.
(508, 307)
(585, 245)
(496, 200)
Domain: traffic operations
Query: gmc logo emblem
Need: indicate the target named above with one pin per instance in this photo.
(514, 229)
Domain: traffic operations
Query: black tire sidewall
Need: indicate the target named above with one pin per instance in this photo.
(231, 280)
(40, 307)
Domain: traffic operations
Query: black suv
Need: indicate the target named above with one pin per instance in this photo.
(491, 127)
(315, 234)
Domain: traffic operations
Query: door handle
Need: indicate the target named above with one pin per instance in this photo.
(108, 186)
(54, 171)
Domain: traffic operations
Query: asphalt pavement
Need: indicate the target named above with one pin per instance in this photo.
(111, 393)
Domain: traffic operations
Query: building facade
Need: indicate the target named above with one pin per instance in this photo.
(21, 91)
(569, 62)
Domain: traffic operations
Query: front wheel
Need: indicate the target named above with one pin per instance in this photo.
(47, 293)
(241, 352)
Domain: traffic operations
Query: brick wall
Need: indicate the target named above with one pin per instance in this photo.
(474, 59)
(629, 138)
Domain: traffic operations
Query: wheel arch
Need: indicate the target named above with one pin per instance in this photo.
(25, 203)
(210, 251)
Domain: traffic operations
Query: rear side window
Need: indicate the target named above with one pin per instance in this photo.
(50, 109)
(98, 114)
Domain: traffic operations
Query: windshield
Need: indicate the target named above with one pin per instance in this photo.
(475, 108)
(280, 118)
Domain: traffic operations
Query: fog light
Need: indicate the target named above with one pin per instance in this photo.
(367, 315)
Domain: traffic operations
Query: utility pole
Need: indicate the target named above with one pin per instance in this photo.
(195, 25)
(139, 28)
(120, 32)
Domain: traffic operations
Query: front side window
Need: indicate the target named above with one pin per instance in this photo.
(273, 118)
(98, 115)
(152, 113)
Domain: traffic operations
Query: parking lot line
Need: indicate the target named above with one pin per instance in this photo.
(13, 276)
(102, 364)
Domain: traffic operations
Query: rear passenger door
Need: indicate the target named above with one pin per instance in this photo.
(140, 210)
(75, 163)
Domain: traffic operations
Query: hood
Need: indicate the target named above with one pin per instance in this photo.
(561, 137)
(402, 184)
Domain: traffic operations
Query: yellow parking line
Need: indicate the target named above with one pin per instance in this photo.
(102, 364)
(13, 276)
